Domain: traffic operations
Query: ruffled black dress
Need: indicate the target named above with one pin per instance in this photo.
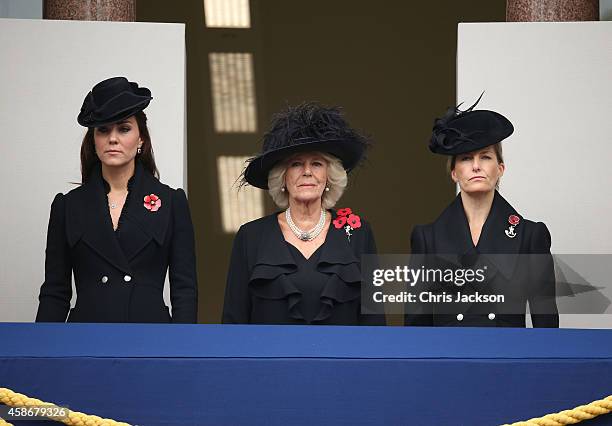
(270, 282)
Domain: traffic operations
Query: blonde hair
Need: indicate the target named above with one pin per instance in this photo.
(337, 180)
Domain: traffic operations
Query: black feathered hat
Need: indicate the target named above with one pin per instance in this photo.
(459, 131)
(112, 100)
(306, 127)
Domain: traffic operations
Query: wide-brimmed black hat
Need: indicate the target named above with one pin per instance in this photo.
(112, 100)
(459, 131)
(306, 127)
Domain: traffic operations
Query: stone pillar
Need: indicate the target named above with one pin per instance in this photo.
(552, 10)
(90, 10)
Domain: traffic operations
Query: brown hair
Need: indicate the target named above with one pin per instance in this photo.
(89, 158)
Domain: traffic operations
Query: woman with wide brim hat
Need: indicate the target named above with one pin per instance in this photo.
(480, 231)
(122, 230)
(302, 265)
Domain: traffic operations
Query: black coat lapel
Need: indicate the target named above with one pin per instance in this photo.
(495, 240)
(453, 240)
(89, 220)
(149, 224)
(452, 237)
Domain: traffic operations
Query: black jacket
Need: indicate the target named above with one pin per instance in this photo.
(119, 280)
(259, 283)
(521, 268)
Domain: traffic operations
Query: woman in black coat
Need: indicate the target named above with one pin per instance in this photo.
(480, 230)
(302, 265)
(122, 230)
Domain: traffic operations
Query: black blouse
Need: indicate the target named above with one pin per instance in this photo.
(270, 282)
(308, 280)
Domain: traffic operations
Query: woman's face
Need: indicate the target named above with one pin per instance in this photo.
(117, 143)
(306, 177)
(477, 171)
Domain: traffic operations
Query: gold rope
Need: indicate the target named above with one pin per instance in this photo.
(12, 399)
(566, 417)
(570, 417)
(4, 422)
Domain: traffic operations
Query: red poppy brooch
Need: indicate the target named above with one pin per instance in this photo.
(513, 220)
(347, 220)
(152, 202)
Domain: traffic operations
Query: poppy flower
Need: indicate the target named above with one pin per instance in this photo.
(354, 221)
(344, 212)
(339, 222)
(152, 202)
(513, 220)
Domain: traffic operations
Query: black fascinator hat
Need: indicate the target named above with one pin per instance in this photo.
(306, 127)
(459, 131)
(112, 100)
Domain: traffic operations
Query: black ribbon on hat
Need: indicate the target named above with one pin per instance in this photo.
(449, 137)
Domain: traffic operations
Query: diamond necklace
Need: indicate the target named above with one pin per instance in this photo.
(305, 235)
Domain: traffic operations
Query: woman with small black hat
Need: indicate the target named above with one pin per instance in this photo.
(302, 265)
(122, 230)
(480, 230)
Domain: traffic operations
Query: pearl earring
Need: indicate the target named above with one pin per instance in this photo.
(327, 189)
(283, 189)
(139, 150)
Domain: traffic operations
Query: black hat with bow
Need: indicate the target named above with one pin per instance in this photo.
(112, 100)
(305, 128)
(459, 131)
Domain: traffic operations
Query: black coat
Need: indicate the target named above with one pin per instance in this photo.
(119, 279)
(259, 283)
(520, 279)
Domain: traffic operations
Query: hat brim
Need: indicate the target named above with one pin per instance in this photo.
(489, 132)
(348, 152)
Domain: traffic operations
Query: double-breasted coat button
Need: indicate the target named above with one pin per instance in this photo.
(459, 317)
(104, 279)
(127, 278)
(491, 316)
